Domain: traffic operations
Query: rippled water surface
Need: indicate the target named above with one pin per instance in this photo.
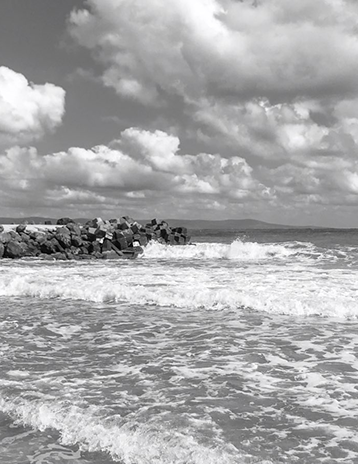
(227, 351)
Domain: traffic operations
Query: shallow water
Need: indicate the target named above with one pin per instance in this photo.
(230, 351)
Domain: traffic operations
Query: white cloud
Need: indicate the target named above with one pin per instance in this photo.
(225, 48)
(141, 167)
(27, 110)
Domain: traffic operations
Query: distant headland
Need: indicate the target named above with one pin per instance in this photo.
(193, 224)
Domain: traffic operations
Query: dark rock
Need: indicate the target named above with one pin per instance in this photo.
(33, 248)
(143, 241)
(51, 246)
(91, 234)
(1, 229)
(83, 251)
(46, 257)
(60, 256)
(135, 228)
(123, 226)
(48, 223)
(86, 244)
(94, 223)
(5, 237)
(74, 228)
(76, 241)
(64, 221)
(94, 247)
(21, 228)
(24, 237)
(63, 236)
(126, 220)
(2, 250)
(14, 235)
(121, 243)
(15, 249)
(107, 245)
(47, 247)
(39, 237)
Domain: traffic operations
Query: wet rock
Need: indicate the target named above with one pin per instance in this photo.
(60, 256)
(2, 250)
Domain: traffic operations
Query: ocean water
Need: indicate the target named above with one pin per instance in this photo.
(240, 348)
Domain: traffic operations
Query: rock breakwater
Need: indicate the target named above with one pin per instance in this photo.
(97, 239)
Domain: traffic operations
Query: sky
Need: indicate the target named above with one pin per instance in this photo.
(187, 109)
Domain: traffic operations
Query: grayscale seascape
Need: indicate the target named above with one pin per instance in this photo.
(241, 348)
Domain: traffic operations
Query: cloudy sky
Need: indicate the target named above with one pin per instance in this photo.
(209, 109)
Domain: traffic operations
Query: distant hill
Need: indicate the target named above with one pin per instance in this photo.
(194, 224)
(234, 224)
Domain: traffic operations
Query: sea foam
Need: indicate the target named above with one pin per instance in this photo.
(127, 442)
(237, 250)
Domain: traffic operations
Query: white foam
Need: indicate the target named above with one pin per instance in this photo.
(265, 277)
(237, 250)
(127, 442)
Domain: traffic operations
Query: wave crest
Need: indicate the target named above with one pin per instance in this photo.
(237, 250)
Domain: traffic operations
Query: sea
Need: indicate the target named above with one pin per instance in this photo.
(239, 348)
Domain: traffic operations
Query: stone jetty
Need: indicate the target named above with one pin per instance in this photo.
(96, 239)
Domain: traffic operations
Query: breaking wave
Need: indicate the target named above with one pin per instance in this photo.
(127, 442)
(237, 250)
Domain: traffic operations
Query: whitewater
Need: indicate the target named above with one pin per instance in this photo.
(241, 347)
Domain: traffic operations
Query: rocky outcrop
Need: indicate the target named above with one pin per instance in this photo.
(98, 238)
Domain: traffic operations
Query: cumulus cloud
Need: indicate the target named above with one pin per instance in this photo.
(145, 173)
(223, 48)
(270, 85)
(27, 110)
(138, 166)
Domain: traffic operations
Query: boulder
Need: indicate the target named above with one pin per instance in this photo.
(24, 237)
(64, 221)
(60, 256)
(39, 237)
(1, 228)
(74, 228)
(2, 250)
(14, 235)
(94, 223)
(76, 241)
(94, 247)
(91, 234)
(15, 249)
(5, 237)
(51, 246)
(107, 245)
(33, 248)
(63, 236)
(21, 228)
